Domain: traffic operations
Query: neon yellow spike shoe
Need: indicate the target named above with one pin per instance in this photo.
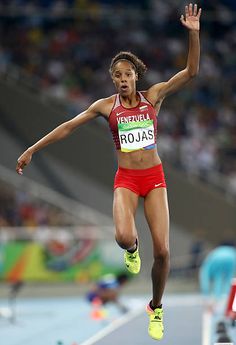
(155, 328)
(132, 261)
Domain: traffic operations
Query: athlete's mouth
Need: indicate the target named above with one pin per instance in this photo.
(124, 87)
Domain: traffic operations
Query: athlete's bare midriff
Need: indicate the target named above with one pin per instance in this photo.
(140, 159)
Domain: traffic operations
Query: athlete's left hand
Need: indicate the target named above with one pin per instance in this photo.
(192, 17)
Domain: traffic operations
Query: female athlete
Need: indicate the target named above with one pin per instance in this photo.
(132, 117)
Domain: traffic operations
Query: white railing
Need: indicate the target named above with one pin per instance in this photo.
(62, 233)
(79, 211)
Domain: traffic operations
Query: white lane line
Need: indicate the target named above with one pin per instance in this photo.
(234, 304)
(206, 327)
(112, 327)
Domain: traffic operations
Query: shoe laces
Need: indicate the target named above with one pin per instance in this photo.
(158, 314)
(132, 256)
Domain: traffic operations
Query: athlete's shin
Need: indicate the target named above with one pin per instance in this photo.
(160, 271)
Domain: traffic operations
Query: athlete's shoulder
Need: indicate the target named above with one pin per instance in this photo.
(104, 105)
(109, 100)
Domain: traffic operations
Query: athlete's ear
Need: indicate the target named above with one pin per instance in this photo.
(136, 76)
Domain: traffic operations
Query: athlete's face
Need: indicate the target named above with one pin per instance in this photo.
(124, 77)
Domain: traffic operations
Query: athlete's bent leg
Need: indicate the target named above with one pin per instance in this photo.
(124, 208)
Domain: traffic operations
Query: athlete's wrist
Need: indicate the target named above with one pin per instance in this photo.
(194, 31)
(30, 150)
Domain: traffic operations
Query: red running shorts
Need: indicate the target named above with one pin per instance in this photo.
(140, 181)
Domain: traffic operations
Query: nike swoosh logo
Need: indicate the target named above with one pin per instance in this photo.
(157, 185)
(117, 114)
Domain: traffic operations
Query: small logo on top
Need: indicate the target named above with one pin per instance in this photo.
(117, 114)
(143, 107)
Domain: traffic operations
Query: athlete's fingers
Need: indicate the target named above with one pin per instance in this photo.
(186, 11)
(19, 166)
(20, 171)
(195, 9)
(199, 13)
(190, 9)
(182, 19)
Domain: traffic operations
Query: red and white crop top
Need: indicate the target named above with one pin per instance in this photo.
(133, 128)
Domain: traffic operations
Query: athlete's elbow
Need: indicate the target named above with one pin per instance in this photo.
(193, 72)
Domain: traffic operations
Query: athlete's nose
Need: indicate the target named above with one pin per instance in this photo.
(123, 79)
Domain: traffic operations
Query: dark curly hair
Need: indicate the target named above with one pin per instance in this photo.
(139, 67)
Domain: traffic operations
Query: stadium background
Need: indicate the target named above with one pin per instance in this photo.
(55, 222)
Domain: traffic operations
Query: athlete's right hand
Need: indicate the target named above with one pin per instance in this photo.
(22, 161)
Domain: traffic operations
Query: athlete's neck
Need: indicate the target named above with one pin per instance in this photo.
(131, 100)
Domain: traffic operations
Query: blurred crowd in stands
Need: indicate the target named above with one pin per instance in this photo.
(19, 208)
(66, 47)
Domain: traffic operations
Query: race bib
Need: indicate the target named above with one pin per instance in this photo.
(136, 135)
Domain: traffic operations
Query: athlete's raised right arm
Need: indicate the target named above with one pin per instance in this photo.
(59, 133)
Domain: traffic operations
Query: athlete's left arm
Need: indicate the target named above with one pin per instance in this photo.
(192, 22)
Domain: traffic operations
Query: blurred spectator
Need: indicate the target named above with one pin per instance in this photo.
(217, 271)
(18, 208)
(197, 249)
(107, 290)
(224, 339)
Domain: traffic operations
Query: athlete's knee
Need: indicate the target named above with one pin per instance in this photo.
(162, 255)
(125, 241)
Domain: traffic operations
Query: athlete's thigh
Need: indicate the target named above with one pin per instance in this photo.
(125, 204)
(157, 215)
